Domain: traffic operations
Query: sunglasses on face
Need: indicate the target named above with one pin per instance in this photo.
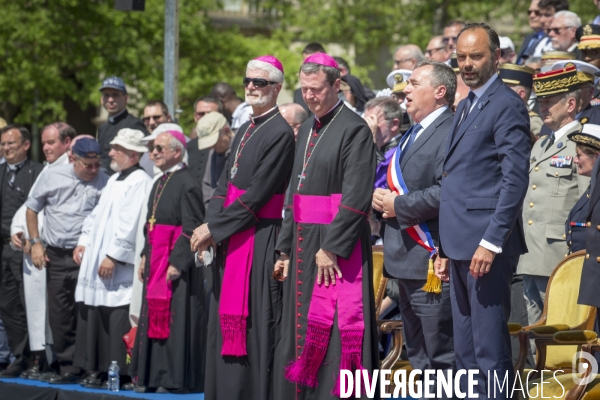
(536, 13)
(449, 38)
(91, 166)
(258, 82)
(157, 147)
(154, 117)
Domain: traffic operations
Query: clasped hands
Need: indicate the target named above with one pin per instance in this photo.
(201, 240)
(383, 201)
(326, 264)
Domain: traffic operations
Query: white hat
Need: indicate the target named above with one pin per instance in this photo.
(162, 128)
(506, 43)
(131, 139)
(397, 80)
(589, 135)
(587, 68)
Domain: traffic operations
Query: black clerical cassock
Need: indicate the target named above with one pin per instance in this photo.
(171, 337)
(244, 216)
(324, 328)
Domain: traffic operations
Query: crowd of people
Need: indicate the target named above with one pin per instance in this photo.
(236, 259)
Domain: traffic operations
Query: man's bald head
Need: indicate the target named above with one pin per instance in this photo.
(294, 114)
(407, 57)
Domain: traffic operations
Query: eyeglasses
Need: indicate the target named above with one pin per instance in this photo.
(449, 38)
(154, 117)
(258, 82)
(157, 147)
(557, 31)
(536, 13)
(89, 166)
(398, 62)
(430, 52)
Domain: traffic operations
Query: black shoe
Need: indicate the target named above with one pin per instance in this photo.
(32, 373)
(3, 366)
(89, 376)
(94, 381)
(126, 386)
(65, 378)
(12, 371)
(172, 391)
(143, 389)
(47, 376)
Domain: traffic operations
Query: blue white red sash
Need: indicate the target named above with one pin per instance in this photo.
(420, 233)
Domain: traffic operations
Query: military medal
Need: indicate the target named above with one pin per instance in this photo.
(245, 139)
(561, 161)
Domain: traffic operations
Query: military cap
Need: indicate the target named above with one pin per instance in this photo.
(397, 80)
(454, 62)
(589, 136)
(560, 81)
(585, 71)
(551, 57)
(514, 74)
(588, 36)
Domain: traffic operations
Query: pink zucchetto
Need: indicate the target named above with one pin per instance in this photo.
(179, 136)
(272, 61)
(322, 59)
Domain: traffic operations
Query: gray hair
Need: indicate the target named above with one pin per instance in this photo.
(275, 75)
(390, 107)
(175, 144)
(412, 51)
(576, 94)
(571, 19)
(442, 75)
(331, 73)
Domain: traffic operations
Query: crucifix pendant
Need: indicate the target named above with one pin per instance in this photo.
(300, 178)
(152, 221)
(233, 171)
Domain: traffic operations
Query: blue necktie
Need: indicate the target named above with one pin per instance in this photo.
(414, 130)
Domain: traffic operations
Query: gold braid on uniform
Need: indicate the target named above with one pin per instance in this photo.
(584, 139)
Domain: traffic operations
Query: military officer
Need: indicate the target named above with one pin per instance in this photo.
(588, 36)
(587, 114)
(590, 275)
(520, 79)
(588, 149)
(554, 185)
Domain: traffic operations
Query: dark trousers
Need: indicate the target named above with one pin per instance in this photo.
(12, 305)
(62, 274)
(427, 325)
(480, 310)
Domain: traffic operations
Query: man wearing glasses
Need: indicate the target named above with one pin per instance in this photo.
(548, 10)
(114, 100)
(407, 57)
(437, 50)
(68, 194)
(562, 31)
(451, 31)
(533, 39)
(155, 113)
(17, 176)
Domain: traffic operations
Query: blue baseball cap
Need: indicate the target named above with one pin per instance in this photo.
(87, 148)
(114, 82)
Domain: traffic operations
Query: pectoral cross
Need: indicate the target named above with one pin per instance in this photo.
(152, 221)
(300, 177)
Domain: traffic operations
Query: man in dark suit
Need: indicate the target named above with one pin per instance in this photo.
(17, 176)
(427, 316)
(533, 39)
(485, 178)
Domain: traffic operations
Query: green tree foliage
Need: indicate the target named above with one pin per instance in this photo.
(54, 49)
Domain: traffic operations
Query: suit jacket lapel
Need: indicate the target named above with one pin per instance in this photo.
(479, 106)
(425, 135)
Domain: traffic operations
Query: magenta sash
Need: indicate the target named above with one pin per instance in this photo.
(162, 240)
(321, 312)
(235, 288)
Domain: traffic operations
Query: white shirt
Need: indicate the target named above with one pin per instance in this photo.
(240, 115)
(428, 120)
(561, 132)
(544, 45)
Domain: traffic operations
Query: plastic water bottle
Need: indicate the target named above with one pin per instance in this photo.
(113, 377)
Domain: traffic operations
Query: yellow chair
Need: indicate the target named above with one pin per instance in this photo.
(561, 314)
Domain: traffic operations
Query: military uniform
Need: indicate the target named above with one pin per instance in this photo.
(554, 188)
(397, 80)
(575, 226)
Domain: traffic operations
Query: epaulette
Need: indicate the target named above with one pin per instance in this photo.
(533, 114)
(584, 120)
(542, 137)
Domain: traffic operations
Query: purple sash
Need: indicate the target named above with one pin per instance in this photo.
(235, 289)
(321, 312)
(162, 239)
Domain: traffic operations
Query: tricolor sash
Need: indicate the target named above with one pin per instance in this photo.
(419, 233)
